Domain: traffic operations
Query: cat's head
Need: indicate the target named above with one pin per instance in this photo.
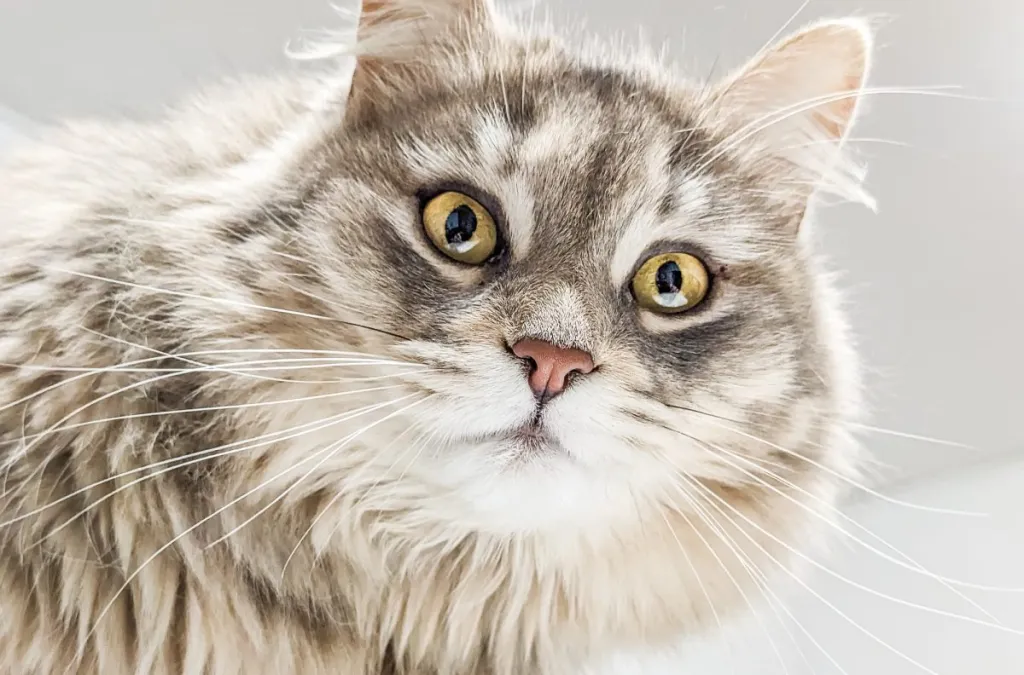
(604, 269)
(601, 270)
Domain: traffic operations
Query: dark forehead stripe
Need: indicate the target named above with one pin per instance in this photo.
(518, 105)
(615, 89)
(692, 143)
(631, 102)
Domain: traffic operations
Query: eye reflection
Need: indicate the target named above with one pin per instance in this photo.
(460, 227)
(670, 283)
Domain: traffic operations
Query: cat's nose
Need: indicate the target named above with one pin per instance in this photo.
(551, 365)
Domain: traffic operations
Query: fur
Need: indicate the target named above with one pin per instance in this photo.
(251, 421)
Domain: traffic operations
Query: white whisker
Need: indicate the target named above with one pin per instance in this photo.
(693, 568)
(760, 579)
(226, 450)
(912, 566)
(183, 356)
(331, 450)
(843, 477)
(767, 46)
(131, 577)
(914, 437)
(213, 408)
(780, 115)
(192, 296)
(915, 567)
(725, 568)
(828, 571)
(801, 582)
(221, 301)
(26, 447)
(333, 500)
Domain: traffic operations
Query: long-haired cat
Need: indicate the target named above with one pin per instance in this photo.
(485, 356)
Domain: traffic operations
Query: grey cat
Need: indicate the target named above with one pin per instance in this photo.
(484, 355)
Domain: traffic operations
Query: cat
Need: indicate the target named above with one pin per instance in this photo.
(475, 353)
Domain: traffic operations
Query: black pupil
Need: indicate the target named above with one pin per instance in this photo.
(460, 225)
(669, 278)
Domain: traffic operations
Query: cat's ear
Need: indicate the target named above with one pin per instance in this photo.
(398, 39)
(798, 99)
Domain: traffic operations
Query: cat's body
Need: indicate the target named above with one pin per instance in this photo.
(190, 485)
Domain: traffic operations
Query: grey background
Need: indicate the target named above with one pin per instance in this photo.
(935, 278)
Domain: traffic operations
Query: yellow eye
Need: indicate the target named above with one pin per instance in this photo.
(671, 283)
(460, 227)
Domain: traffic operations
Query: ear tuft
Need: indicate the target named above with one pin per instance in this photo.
(396, 39)
(394, 43)
(396, 28)
(800, 97)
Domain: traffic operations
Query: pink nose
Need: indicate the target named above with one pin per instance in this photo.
(551, 365)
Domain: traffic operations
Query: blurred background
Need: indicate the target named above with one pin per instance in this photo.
(935, 281)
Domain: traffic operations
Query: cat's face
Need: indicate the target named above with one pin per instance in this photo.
(609, 292)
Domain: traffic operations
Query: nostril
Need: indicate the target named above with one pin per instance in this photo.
(551, 366)
(519, 353)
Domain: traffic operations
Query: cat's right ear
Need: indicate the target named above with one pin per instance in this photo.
(398, 40)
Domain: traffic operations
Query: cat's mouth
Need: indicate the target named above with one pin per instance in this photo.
(528, 437)
(533, 437)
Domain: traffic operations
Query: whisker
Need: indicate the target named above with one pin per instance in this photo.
(847, 140)
(761, 461)
(797, 578)
(242, 374)
(867, 589)
(331, 503)
(863, 427)
(254, 366)
(184, 356)
(131, 577)
(225, 301)
(693, 568)
(914, 437)
(708, 518)
(319, 554)
(149, 476)
(767, 46)
(225, 450)
(170, 355)
(782, 114)
(148, 381)
(832, 472)
(725, 568)
(214, 408)
(759, 578)
(332, 449)
(915, 567)
(331, 303)
(26, 447)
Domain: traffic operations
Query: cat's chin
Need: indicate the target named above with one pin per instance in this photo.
(532, 441)
(526, 481)
(544, 492)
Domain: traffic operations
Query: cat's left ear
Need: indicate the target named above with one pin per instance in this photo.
(399, 41)
(797, 101)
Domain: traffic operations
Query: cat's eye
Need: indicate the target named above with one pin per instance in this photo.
(671, 283)
(460, 227)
